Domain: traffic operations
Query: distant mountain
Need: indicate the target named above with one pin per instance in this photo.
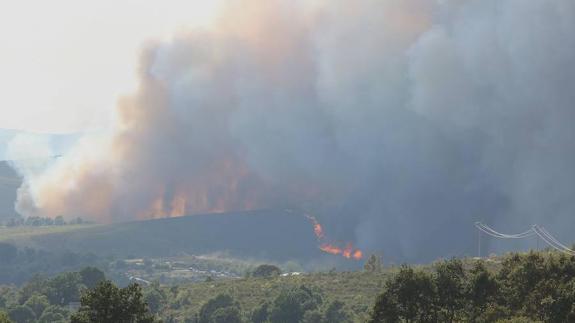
(9, 183)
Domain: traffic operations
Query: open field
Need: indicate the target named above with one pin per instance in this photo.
(25, 235)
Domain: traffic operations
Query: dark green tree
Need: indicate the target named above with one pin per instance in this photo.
(36, 285)
(261, 313)
(481, 290)
(266, 271)
(91, 276)
(313, 316)
(54, 314)
(4, 318)
(415, 295)
(64, 288)
(37, 303)
(409, 296)
(385, 309)
(450, 282)
(155, 298)
(291, 305)
(335, 313)
(22, 314)
(108, 303)
(551, 301)
(230, 314)
(518, 276)
(217, 308)
(51, 317)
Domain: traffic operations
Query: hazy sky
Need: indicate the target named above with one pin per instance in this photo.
(64, 62)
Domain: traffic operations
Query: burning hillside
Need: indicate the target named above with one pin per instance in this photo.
(348, 251)
(398, 118)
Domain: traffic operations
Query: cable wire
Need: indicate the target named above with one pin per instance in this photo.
(486, 229)
(510, 236)
(541, 232)
(551, 240)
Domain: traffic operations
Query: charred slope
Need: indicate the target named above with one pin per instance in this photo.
(273, 235)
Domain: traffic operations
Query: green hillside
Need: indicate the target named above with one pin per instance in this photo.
(516, 287)
(358, 290)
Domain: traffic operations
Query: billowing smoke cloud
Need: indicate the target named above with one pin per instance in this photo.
(405, 120)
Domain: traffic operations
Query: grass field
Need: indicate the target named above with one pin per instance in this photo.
(25, 235)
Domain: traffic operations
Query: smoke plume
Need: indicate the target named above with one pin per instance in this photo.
(404, 120)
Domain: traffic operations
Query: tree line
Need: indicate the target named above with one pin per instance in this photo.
(38, 221)
(47, 300)
(532, 287)
(18, 265)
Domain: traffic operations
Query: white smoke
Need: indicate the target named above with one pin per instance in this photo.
(403, 119)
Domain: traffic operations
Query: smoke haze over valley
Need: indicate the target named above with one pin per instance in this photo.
(397, 123)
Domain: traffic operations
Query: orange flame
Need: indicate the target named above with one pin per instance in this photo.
(348, 252)
(318, 230)
(326, 247)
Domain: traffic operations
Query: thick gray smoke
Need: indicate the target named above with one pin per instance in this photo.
(401, 120)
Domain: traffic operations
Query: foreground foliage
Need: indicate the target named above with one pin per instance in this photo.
(108, 303)
(4, 318)
(18, 265)
(316, 297)
(533, 287)
(530, 287)
(47, 300)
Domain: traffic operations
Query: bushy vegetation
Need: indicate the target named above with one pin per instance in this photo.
(38, 221)
(529, 287)
(533, 287)
(309, 297)
(266, 270)
(46, 300)
(80, 297)
(108, 303)
(4, 318)
(18, 265)
(519, 287)
(291, 305)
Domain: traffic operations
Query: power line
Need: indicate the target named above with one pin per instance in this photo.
(488, 230)
(539, 231)
(551, 240)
